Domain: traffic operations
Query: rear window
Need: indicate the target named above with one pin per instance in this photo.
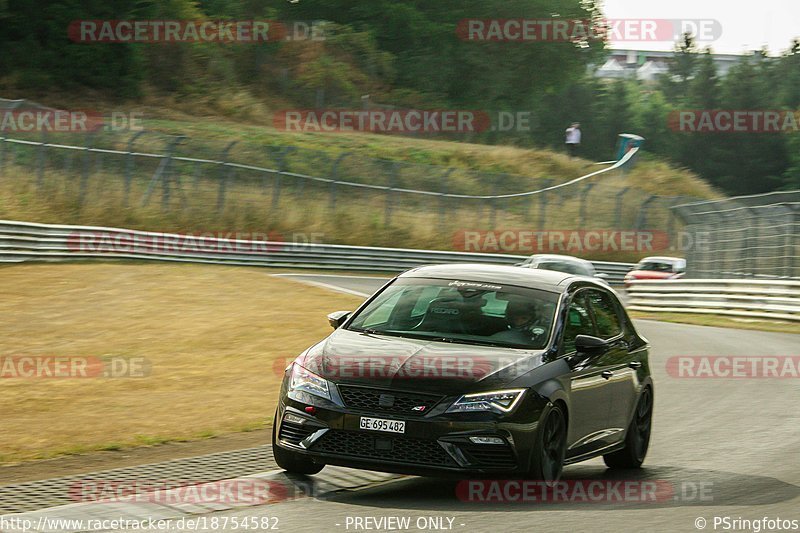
(654, 266)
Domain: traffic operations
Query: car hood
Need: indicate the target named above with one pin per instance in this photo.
(349, 357)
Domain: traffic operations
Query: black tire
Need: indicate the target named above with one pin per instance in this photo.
(547, 462)
(292, 462)
(637, 439)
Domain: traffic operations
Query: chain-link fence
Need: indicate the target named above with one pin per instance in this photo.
(745, 237)
(149, 180)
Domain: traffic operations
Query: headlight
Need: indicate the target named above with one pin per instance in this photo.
(303, 380)
(502, 401)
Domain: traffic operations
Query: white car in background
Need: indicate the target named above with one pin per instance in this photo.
(657, 268)
(564, 263)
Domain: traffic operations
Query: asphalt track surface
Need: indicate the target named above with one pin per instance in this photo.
(720, 447)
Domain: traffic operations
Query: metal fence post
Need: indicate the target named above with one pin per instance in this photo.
(334, 179)
(493, 203)
(40, 159)
(618, 207)
(543, 205)
(276, 184)
(641, 220)
(391, 182)
(163, 167)
(790, 245)
(129, 163)
(225, 173)
(443, 190)
(87, 163)
(582, 210)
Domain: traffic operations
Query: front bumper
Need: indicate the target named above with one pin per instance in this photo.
(436, 443)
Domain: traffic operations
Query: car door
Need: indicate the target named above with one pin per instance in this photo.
(590, 395)
(617, 362)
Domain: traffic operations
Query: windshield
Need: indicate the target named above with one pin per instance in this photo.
(655, 267)
(566, 266)
(461, 311)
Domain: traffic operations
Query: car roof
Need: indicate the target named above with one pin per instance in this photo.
(557, 257)
(662, 258)
(547, 280)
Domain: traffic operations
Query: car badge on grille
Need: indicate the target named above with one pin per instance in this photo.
(386, 400)
(418, 408)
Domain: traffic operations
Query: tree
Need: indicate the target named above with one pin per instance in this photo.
(675, 82)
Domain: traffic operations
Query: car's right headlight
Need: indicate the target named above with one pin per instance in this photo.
(501, 401)
(307, 381)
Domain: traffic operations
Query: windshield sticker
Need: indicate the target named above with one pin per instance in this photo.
(473, 285)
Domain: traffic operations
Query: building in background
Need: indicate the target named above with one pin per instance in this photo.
(648, 65)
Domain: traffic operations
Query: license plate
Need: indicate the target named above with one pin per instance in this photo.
(382, 424)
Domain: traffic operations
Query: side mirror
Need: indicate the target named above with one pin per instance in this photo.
(589, 344)
(337, 318)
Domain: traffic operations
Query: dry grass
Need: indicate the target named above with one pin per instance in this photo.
(720, 321)
(358, 219)
(653, 176)
(211, 334)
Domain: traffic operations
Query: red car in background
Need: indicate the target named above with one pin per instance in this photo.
(657, 268)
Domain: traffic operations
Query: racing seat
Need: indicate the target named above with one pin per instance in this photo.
(444, 315)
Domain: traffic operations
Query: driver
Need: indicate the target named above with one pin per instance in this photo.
(520, 316)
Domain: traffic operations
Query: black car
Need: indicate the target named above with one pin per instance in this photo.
(471, 369)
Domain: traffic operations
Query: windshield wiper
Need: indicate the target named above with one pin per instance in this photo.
(475, 342)
(371, 331)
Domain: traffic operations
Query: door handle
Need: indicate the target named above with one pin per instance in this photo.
(635, 364)
(607, 374)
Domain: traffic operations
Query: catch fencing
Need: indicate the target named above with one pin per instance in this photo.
(745, 237)
(103, 175)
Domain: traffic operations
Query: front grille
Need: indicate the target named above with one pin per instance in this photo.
(362, 445)
(490, 455)
(369, 400)
(294, 433)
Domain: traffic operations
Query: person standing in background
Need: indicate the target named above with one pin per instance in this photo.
(573, 139)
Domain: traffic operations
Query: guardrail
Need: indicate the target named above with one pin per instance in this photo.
(27, 241)
(772, 299)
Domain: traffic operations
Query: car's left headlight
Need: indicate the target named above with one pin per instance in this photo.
(307, 381)
(501, 401)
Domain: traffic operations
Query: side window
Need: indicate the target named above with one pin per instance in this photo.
(578, 323)
(605, 314)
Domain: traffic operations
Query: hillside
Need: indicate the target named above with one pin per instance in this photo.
(362, 217)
